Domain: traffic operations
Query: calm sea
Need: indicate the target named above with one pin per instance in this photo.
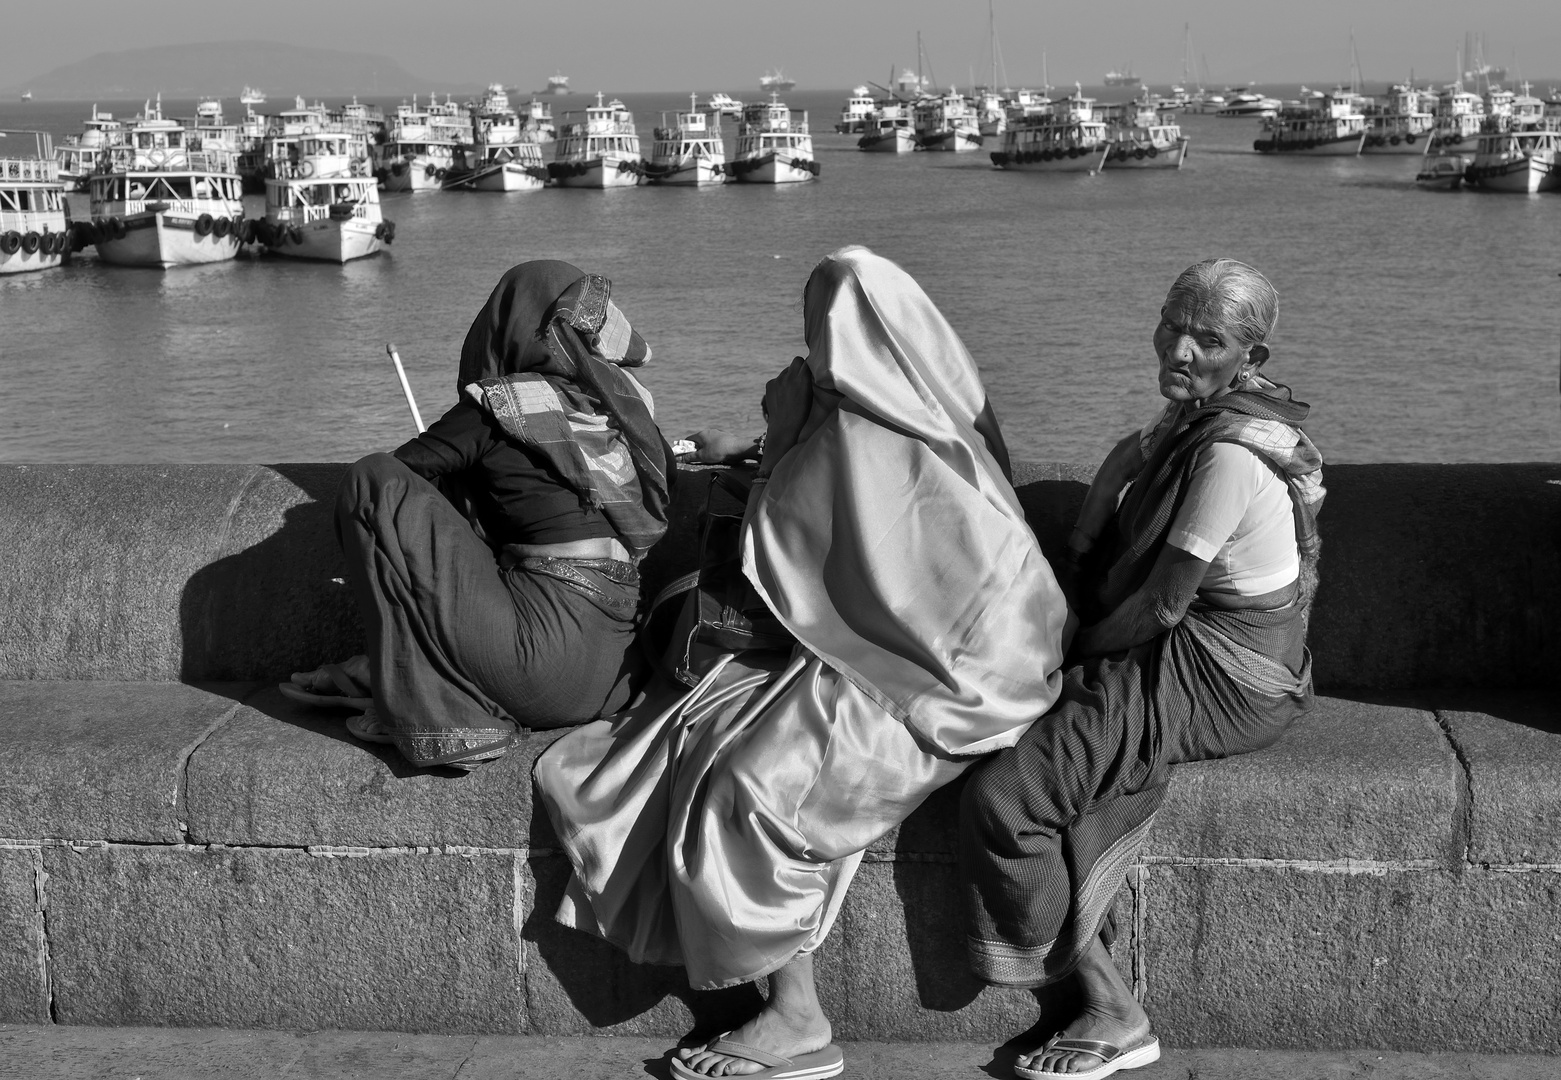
(1422, 326)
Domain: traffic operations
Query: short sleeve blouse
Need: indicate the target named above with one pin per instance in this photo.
(1237, 514)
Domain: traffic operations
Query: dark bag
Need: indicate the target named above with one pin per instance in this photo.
(713, 610)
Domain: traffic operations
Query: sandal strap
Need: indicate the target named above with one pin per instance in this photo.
(726, 1046)
(344, 682)
(1103, 1050)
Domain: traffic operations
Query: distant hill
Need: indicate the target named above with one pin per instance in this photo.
(224, 69)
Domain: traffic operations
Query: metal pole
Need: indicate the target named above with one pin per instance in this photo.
(406, 387)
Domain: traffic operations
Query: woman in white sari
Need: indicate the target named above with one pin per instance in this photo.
(720, 829)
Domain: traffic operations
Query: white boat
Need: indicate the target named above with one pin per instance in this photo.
(1397, 125)
(856, 112)
(557, 84)
(78, 155)
(27, 95)
(1247, 103)
(725, 104)
(323, 204)
(775, 82)
(690, 152)
(498, 154)
(1122, 78)
(1515, 159)
(251, 96)
(34, 233)
(1204, 102)
(1443, 172)
(414, 155)
(601, 151)
(1068, 137)
(1142, 134)
(947, 122)
(991, 112)
(891, 129)
(163, 200)
(1458, 117)
(1322, 125)
(537, 121)
(773, 145)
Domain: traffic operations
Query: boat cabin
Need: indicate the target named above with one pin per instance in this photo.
(606, 130)
(340, 198)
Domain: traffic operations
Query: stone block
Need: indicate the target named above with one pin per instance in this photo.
(279, 773)
(254, 937)
(99, 760)
(1514, 759)
(1423, 960)
(1347, 781)
(24, 978)
(577, 984)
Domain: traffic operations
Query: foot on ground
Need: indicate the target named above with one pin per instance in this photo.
(1121, 1027)
(785, 1032)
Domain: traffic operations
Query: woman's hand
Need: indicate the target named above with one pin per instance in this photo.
(787, 400)
(712, 446)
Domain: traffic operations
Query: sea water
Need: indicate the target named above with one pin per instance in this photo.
(1421, 326)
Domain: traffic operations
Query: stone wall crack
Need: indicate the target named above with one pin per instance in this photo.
(1463, 824)
(182, 783)
(41, 900)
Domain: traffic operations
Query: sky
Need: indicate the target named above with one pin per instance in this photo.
(629, 45)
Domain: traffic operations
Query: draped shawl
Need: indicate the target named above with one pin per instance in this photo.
(890, 541)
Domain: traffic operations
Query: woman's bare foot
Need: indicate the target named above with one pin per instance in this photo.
(791, 1023)
(319, 681)
(1110, 1015)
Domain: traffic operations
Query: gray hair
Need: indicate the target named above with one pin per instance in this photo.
(1246, 302)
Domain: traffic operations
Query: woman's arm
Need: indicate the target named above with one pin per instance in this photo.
(453, 443)
(1121, 466)
(1157, 605)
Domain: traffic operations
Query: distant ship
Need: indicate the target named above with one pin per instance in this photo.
(1122, 78)
(557, 84)
(776, 80)
(251, 96)
(27, 95)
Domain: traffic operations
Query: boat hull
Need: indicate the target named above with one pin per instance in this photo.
(329, 240)
(1146, 157)
(774, 167)
(414, 176)
(1088, 160)
(506, 177)
(43, 256)
(1348, 146)
(1395, 144)
(598, 173)
(1525, 177)
(958, 142)
(898, 141)
(687, 173)
(160, 239)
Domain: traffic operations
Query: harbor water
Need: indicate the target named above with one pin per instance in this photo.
(1421, 326)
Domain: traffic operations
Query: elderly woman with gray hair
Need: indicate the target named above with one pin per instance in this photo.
(1193, 588)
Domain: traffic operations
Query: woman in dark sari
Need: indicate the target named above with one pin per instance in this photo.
(1194, 593)
(518, 608)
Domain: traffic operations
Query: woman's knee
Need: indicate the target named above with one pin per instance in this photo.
(366, 480)
(988, 790)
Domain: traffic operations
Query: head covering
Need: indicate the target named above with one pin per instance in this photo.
(547, 357)
(890, 540)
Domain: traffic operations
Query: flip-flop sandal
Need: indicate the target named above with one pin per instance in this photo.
(349, 695)
(369, 728)
(830, 1061)
(1113, 1059)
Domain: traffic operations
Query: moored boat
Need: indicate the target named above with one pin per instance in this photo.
(322, 203)
(1068, 137)
(537, 121)
(34, 232)
(78, 155)
(499, 154)
(1397, 124)
(890, 130)
(691, 151)
(251, 96)
(725, 104)
(856, 112)
(1457, 119)
(776, 81)
(414, 154)
(1124, 77)
(1322, 125)
(601, 151)
(163, 200)
(1248, 103)
(947, 122)
(1442, 172)
(1515, 159)
(1143, 134)
(773, 145)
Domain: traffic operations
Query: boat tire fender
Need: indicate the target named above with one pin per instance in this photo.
(429, 171)
(204, 224)
(295, 234)
(10, 242)
(390, 231)
(1139, 153)
(440, 174)
(1394, 140)
(1154, 151)
(1073, 151)
(31, 242)
(813, 167)
(1410, 138)
(117, 226)
(221, 227)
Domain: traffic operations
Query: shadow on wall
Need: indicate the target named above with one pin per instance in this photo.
(276, 598)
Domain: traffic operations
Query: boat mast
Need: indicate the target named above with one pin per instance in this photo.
(991, 43)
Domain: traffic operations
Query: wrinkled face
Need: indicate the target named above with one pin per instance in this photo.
(1198, 355)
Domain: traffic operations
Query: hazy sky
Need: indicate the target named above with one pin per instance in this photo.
(626, 45)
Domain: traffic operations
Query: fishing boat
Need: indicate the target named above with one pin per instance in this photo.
(776, 81)
(498, 153)
(691, 151)
(323, 204)
(250, 96)
(946, 122)
(1457, 119)
(1143, 134)
(1397, 124)
(1515, 159)
(78, 155)
(1068, 137)
(1247, 103)
(991, 112)
(163, 200)
(27, 95)
(414, 155)
(1204, 102)
(724, 104)
(1322, 125)
(890, 131)
(557, 84)
(773, 145)
(856, 112)
(601, 151)
(1121, 78)
(34, 232)
(1442, 172)
(537, 121)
